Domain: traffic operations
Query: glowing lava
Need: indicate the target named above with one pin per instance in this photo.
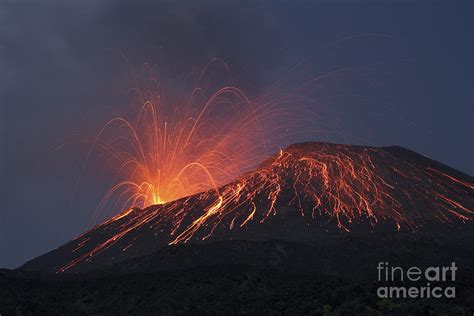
(316, 182)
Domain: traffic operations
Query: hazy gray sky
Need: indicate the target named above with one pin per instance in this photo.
(63, 75)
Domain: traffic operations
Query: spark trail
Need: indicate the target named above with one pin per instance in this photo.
(188, 136)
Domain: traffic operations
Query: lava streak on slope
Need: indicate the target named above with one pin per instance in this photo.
(336, 184)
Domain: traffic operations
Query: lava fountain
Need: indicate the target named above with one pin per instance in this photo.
(186, 138)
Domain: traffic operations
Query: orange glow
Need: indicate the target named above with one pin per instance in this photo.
(190, 164)
(185, 139)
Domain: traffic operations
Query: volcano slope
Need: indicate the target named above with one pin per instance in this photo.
(303, 233)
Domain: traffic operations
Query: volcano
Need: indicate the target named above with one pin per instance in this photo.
(305, 192)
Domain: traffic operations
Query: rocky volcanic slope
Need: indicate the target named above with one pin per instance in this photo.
(303, 234)
(304, 193)
(335, 276)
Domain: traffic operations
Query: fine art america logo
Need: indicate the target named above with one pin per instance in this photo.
(430, 282)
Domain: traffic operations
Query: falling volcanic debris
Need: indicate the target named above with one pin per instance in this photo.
(188, 136)
(313, 184)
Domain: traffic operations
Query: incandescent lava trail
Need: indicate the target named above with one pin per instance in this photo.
(332, 185)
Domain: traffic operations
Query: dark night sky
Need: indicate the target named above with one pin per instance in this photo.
(63, 75)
